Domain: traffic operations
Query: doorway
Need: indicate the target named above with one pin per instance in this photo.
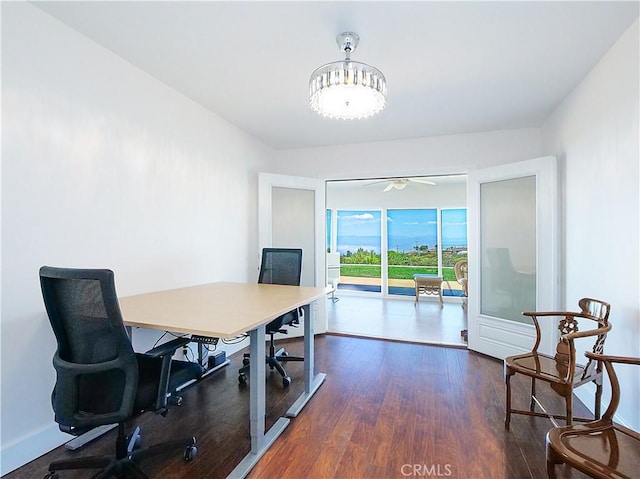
(385, 231)
(291, 213)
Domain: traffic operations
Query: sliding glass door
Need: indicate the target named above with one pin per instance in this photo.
(382, 250)
(453, 227)
(412, 247)
(359, 241)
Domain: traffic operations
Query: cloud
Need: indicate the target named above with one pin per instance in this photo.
(362, 217)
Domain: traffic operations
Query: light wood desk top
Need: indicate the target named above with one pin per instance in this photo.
(221, 310)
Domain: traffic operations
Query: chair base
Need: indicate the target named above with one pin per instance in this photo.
(274, 360)
(549, 416)
(544, 368)
(124, 464)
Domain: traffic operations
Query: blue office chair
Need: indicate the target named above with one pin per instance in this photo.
(99, 378)
(279, 266)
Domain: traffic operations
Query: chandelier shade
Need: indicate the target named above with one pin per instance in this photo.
(347, 89)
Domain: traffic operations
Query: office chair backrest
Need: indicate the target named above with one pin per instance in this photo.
(281, 266)
(83, 310)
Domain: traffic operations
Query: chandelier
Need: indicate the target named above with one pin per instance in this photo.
(346, 89)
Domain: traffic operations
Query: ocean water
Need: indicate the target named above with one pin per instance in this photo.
(401, 244)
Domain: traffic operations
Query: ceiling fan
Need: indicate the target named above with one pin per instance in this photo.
(400, 183)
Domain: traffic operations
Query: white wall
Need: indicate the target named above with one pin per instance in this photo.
(414, 195)
(423, 156)
(103, 166)
(595, 134)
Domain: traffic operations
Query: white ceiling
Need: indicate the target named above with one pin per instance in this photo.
(451, 67)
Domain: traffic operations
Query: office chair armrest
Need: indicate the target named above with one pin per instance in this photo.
(169, 347)
(67, 380)
(164, 352)
(75, 369)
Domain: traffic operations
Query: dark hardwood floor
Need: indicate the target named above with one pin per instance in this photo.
(386, 410)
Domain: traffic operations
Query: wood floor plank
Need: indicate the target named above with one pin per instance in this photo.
(386, 410)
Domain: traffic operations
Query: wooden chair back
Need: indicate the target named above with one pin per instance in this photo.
(561, 370)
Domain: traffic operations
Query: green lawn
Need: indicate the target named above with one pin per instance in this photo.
(395, 272)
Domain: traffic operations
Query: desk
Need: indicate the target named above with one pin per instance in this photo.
(225, 310)
(428, 284)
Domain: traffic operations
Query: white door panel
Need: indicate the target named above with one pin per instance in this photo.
(291, 214)
(513, 263)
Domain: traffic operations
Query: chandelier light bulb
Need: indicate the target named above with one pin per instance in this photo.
(347, 89)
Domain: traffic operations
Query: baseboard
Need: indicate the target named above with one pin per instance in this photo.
(28, 448)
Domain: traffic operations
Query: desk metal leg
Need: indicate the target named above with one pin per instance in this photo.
(311, 382)
(260, 441)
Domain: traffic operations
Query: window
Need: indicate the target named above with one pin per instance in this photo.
(454, 236)
(412, 247)
(359, 238)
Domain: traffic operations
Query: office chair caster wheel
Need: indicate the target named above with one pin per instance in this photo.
(190, 452)
(286, 381)
(242, 378)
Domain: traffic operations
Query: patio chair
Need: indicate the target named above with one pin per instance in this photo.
(461, 269)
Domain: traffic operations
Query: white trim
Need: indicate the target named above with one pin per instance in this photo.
(268, 181)
(28, 448)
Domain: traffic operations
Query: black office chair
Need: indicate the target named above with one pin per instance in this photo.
(100, 379)
(279, 266)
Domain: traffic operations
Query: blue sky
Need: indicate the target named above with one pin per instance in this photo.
(454, 227)
(411, 228)
(359, 223)
(406, 229)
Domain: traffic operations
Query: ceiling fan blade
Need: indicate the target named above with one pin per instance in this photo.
(419, 180)
(373, 183)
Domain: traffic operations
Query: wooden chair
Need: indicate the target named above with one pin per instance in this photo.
(600, 449)
(561, 370)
